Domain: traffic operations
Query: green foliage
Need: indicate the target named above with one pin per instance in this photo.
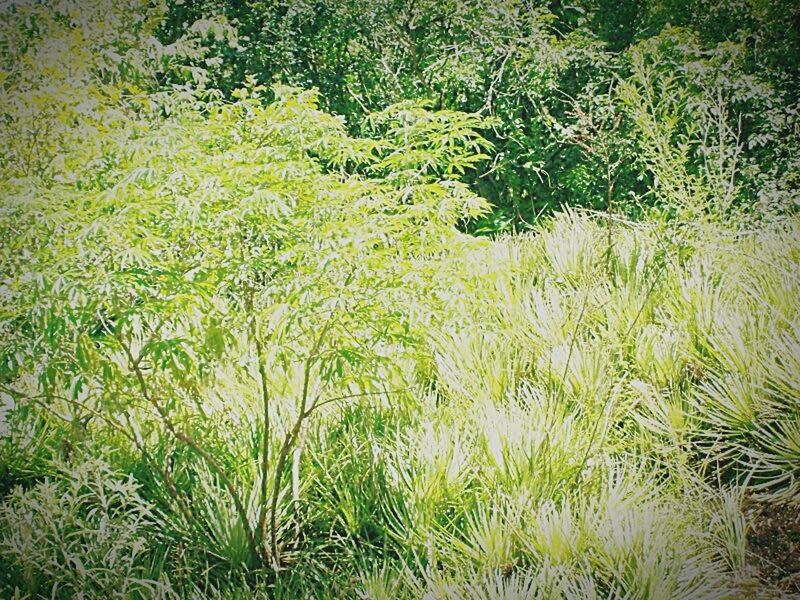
(87, 533)
(231, 236)
(245, 349)
(569, 85)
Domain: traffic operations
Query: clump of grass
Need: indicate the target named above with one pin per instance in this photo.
(86, 532)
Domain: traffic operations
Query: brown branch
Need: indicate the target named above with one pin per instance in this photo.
(293, 434)
(262, 526)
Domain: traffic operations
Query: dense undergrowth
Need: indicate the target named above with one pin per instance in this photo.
(581, 92)
(249, 352)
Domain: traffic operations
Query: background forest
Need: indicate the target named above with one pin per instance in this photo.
(400, 299)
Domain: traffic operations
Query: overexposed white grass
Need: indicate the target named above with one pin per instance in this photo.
(584, 417)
